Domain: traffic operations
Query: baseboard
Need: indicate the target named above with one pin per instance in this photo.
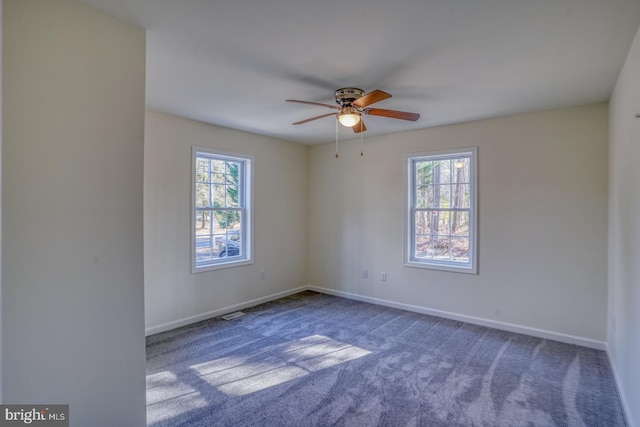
(510, 327)
(539, 333)
(621, 395)
(220, 312)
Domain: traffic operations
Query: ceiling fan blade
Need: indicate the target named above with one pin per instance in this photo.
(392, 113)
(371, 98)
(359, 127)
(334, 107)
(314, 118)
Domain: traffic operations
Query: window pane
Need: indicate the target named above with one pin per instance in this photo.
(424, 173)
(202, 177)
(228, 233)
(203, 223)
(433, 196)
(205, 253)
(217, 178)
(202, 165)
(460, 224)
(232, 196)
(442, 172)
(423, 247)
(461, 170)
(219, 196)
(424, 196)
(460, 194)
(231, 171)
(439, 196)
(445, 196)
(442, 220)
(202, 195)
(217, 166)
(204, 241)
(441, 248)
(423, 222)
(460, 249)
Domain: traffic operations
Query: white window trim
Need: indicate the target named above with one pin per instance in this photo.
(472, 267)
(248, 226)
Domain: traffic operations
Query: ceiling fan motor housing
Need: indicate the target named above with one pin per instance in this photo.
(346, 95)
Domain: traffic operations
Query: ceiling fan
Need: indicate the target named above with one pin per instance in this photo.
(352, 103)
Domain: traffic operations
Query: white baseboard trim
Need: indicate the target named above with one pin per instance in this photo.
(618, 384)
(539, 333)
(510, 327)
(220, 312)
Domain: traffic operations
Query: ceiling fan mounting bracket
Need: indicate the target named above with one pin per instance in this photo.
(346, 95)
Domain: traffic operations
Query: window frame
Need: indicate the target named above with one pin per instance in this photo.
(245, 204)
(410, 260)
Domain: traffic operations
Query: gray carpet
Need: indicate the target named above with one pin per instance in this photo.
(317, 360)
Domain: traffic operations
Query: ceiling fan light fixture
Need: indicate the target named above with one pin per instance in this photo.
(349, 116)
(349, 119)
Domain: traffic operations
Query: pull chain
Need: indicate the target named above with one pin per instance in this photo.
(361, 132)
(337, 138)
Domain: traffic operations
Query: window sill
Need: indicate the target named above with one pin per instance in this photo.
(442, 267)
(221, 265)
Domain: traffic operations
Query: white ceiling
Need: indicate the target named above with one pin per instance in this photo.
(234, 62)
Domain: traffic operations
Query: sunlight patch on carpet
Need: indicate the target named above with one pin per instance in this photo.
(167, 397)
(241, 375)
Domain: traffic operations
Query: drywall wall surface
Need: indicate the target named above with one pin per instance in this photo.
(624, 233)
(174, 295)
(542, 199)
(1, 202)
(72, 176)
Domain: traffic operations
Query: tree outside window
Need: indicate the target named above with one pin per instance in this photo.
(221, 209)
(441, 210)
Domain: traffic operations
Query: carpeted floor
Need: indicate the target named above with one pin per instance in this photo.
(318, 360)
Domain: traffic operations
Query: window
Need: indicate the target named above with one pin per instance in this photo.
(441, 210)
(221, 210)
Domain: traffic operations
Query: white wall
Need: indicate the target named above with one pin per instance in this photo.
(73, 324)
(542, 222)
(173, 295)
(0, 201)
(624, 233)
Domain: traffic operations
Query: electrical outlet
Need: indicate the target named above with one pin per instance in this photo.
(262, 274)
(383, 276)
(364, 273)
